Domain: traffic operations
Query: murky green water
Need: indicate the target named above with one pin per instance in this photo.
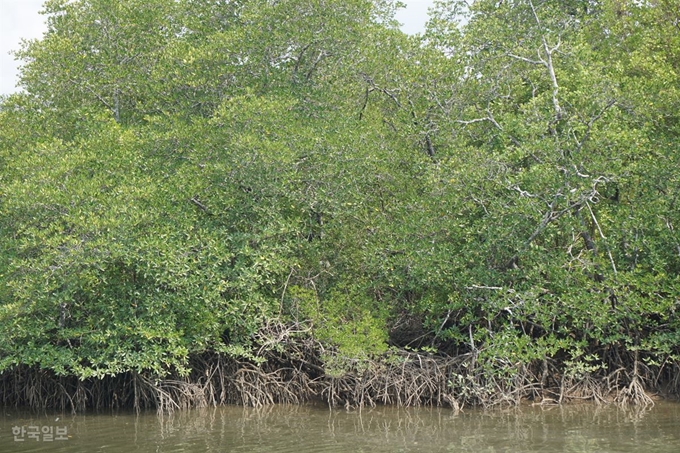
(583, 428)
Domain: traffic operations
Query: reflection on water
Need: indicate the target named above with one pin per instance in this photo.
(583, 428)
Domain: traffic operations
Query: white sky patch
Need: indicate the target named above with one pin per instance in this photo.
(414, 16)
(19, 19)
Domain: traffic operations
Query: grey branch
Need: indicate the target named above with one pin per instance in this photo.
(197, 202)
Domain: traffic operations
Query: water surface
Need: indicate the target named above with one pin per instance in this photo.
(301, 429)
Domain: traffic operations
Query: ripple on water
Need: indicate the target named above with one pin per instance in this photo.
(303, 429)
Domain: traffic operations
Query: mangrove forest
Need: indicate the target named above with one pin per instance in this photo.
(253, 202)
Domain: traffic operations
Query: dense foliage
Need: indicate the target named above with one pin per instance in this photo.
(177, 175)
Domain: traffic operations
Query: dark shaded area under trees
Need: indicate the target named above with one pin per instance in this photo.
(252, 202)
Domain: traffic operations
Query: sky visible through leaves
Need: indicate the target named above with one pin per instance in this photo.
(19, 19)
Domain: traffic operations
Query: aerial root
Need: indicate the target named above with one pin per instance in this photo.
(290, 369)
(634, 393)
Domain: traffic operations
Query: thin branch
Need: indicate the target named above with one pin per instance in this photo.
(495, 288)
(285, 287)
(476, 120)
(319, 59)
(528, 60)
(392, 96)
(523, 193)
(472, 340)
(88, 88)
(363, 107)
(298, 60)
(490, 119)
(586, 136)
(197, 202)
(441, 327)
(549, 65)
(374, 87)
(549, 216)
(609, 252)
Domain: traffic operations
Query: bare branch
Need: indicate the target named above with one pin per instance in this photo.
(527, 60)
(476, 120)
(609, 252)
(522, 193)
(319, 58)
(490, 119)
(298, 60)
(549, 65)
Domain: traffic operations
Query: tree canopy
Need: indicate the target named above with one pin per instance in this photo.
(177, 175)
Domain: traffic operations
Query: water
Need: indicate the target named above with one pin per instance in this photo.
(581, 428)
